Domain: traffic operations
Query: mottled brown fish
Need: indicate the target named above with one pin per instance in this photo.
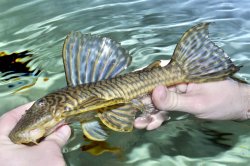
(96, 94)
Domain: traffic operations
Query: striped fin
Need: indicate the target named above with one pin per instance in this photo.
(119, 119)
(200, 59)
(89, 58)
(93, 131)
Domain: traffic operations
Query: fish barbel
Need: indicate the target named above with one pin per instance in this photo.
(98, 95)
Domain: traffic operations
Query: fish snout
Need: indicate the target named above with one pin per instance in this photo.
(27, 137)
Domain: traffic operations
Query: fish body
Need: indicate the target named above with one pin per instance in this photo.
(98, 94)
(123, 88)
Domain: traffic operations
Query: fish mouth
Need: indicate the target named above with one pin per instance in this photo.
(36, 134)
(27, 137)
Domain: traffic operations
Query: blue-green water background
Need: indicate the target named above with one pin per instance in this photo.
(149, 29)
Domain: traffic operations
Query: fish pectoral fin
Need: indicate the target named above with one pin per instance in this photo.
(119, 118)
(94, 131)
(238, 79)
(94, 103)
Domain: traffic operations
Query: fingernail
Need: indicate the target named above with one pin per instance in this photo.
(64, 132)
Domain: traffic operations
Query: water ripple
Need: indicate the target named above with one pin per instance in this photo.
(150, 31)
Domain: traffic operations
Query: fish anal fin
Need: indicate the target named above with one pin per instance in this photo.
(94, 131)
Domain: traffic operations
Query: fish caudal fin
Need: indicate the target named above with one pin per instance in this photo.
(200, 59)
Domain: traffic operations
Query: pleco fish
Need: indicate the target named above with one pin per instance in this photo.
(97, 96)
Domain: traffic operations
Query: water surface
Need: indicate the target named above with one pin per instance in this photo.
(149, 29)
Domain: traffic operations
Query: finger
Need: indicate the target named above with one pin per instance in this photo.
(59, 137)
(9, 119)
(157, 120)
(146, 100)
(172, 89)
(142, 122)
(165, 100)
(181, 88)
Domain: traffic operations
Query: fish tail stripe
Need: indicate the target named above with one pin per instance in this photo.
(201, 59)
(194, 56)
(194, 45)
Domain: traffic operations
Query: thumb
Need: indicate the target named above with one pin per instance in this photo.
(166, 100)
(60, 136)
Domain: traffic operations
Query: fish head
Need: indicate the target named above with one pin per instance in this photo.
(37, 122)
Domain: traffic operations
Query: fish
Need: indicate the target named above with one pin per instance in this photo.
(102, 96)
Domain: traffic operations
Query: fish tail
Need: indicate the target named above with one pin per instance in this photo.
(200, 59)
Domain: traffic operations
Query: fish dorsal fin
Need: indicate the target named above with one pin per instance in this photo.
(120, 118)
(90, 58)
(200, 58)
(94, 131)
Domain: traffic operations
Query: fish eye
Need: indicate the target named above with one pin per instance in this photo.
(41, 103)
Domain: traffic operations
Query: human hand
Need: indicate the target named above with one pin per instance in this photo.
(48, 152)
(222, 100)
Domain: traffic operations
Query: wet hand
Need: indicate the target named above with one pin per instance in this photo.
(48, 152)
(222, 100)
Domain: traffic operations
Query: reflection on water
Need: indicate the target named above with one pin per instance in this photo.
(150, 31)
(15, 73)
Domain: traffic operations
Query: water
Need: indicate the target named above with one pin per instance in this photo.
(150, 31)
